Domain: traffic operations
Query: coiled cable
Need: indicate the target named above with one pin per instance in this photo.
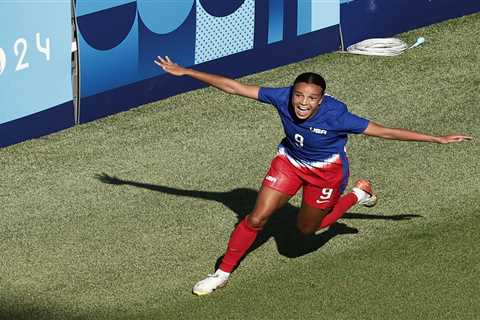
(382, 46)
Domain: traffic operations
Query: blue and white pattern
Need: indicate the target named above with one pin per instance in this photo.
(334, 158)
(222, 36)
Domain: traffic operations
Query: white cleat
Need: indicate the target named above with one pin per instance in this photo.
(364, 193)
(214, 281)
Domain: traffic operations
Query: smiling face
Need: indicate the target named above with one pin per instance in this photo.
(306, 99)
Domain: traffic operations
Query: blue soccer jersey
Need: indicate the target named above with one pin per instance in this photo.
(320, 139)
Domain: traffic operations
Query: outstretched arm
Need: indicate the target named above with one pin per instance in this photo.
(223, 83)
(377, 130)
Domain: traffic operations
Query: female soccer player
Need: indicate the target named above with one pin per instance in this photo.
(311, 156)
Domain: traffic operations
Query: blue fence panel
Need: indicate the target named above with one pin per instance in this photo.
(120, 39)
(35, 69)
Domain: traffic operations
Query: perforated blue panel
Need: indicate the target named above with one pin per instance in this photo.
(222, 36)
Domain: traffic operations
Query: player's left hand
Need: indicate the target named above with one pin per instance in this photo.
(453, 138)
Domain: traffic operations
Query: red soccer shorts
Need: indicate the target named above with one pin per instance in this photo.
(322, 187)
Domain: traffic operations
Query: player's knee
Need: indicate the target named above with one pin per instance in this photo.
(256, 221)
(306, 229)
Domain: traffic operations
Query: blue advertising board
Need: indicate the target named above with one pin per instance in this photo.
(119, 39)
(35, 69)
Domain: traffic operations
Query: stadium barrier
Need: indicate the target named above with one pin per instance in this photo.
(35, 69)
(234, 38)
(363, 19)
(119, 39)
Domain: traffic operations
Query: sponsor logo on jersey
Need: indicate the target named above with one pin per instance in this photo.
(318, 131)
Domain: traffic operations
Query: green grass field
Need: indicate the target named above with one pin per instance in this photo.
(75, 247)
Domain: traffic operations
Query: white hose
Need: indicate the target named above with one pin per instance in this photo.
(382, 46)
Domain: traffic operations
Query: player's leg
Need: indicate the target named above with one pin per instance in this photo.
(242, 237)
(322, 206)
(319, 197)
(309, 218)
(278, 187)
(323, 189)
(361, 194)
(268, 201)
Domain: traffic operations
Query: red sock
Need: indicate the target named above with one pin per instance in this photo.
(343, 204)
(240, 241)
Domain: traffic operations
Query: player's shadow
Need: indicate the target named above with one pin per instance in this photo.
(281, 226)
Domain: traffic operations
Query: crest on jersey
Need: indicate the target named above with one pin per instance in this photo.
(318, 131)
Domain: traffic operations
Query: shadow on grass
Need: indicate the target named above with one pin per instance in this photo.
(281, 226)
(16, 308)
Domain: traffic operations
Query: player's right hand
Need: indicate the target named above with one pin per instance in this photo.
(169, 66)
